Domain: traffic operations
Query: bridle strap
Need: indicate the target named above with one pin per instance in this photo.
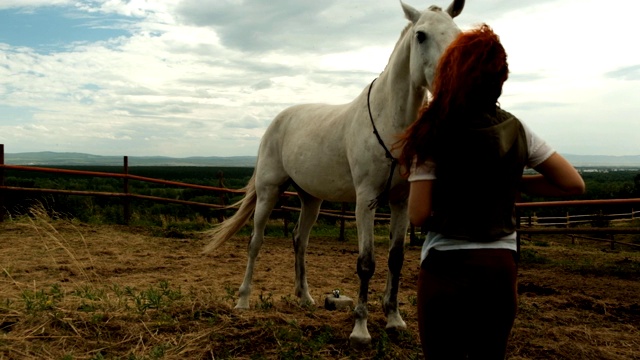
(375, 130)
(383, 197)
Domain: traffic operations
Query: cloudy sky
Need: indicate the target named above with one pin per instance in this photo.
(204, 78)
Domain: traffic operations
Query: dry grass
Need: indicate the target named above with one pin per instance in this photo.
(71, 291)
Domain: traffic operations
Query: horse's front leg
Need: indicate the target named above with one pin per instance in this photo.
(366, 267)
(398, 230)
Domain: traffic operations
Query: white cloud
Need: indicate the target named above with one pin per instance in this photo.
(628, 73)
(27, 5)
(247, 122)
(208, 79)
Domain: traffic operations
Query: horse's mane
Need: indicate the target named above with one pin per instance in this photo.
(403, 32)
(395, 47)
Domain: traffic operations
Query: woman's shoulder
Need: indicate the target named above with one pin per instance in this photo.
(503, 114)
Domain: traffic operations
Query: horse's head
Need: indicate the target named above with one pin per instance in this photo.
(432, 31)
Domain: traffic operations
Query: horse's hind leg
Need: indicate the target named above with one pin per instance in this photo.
(267, 198)
(398, 230)
(308, 216)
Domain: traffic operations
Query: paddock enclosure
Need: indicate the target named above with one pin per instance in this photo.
(74, 291)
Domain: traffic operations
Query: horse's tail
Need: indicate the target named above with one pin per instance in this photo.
(225, 230)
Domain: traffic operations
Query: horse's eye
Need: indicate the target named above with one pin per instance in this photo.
(421, 36)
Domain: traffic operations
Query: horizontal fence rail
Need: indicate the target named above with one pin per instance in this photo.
(118, 176)
(569, 220)
(530, 225)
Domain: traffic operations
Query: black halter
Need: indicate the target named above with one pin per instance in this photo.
(383, 197)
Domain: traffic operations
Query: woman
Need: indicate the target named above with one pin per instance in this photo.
(466, 157)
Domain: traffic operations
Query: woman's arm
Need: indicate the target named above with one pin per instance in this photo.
(420, 196)
(557, 178)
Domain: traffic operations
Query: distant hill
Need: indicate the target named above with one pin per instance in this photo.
(48, 158)
(603, 160)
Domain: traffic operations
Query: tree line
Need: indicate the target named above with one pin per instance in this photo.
(601, 184)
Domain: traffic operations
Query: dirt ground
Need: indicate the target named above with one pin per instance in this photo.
(562, 314)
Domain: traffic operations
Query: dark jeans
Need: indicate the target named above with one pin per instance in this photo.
(467, 302)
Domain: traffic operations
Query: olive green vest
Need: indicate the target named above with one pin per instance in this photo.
(478, 179)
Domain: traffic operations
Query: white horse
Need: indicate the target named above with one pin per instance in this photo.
(340, 153)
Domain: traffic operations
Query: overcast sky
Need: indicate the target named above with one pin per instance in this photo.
(205, 78)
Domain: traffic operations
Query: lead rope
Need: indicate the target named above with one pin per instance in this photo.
(383, 197)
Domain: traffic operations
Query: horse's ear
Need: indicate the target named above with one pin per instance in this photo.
(455, 8)
(410, 13)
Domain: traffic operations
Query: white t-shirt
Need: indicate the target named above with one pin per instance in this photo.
(539, 151)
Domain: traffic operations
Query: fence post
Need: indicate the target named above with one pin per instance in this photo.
(126, 205)
(343, 212)
(221, 198)
(413, 238)
(1, 183)
(568, 220)
(613, 243)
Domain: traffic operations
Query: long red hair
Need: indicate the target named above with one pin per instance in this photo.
(468, 82)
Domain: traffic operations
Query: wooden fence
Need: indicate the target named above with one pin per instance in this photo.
(529, 225)
(126, 195)
(534, 225)
(569, 220)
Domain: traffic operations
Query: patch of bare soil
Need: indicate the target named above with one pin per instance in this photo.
(72, 291)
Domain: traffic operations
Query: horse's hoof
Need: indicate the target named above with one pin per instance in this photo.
(359, 342)
(395, 322)
(242, 305)
(360, 337)
(402, 326)
(307, 301)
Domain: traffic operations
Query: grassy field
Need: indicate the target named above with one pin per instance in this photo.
(74, 291)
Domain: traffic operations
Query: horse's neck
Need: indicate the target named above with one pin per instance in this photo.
(394, 96)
